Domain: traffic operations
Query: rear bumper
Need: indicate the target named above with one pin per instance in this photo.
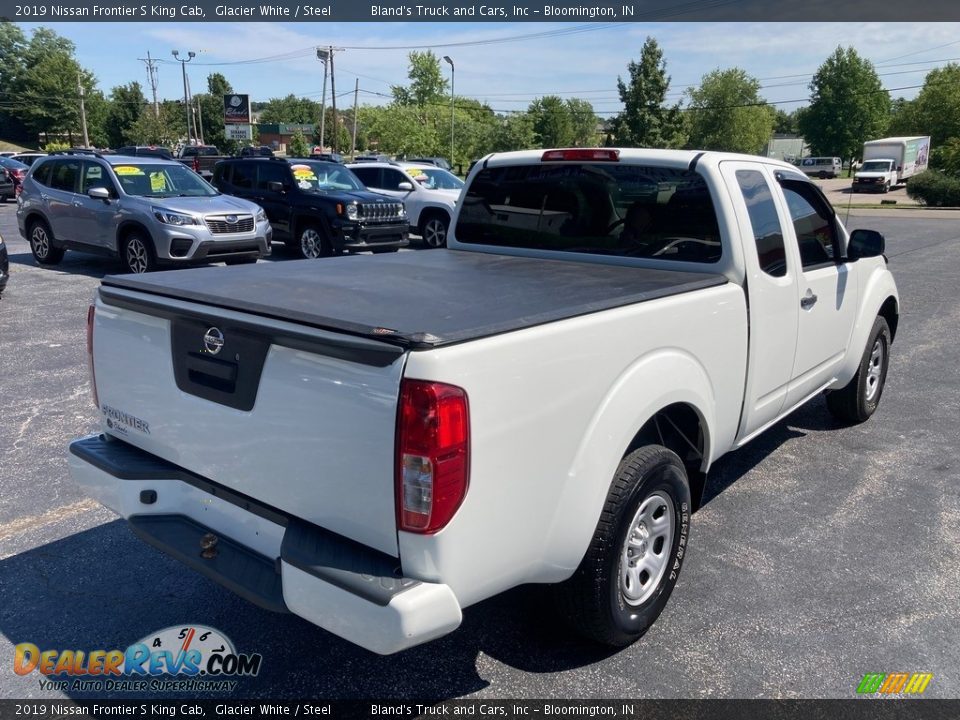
(274, 560)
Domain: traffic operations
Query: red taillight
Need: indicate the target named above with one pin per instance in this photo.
(93, 379)
(433, 454)
(196, 163)
(582, 154)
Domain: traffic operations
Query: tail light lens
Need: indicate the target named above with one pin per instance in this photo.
(196, 163)
(93, 378)
(433, 454)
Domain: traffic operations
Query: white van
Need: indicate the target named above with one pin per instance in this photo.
(821, 167)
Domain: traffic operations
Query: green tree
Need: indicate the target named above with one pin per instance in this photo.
(786, 123)
(13, 46)
(163, 130)
(290, 109)
(936, 110)
(513, 132)
(211, 112)
(584, 122)
(427, 84)
(847, 106)
(124, 108)
(726, 112)
(552, 123)
(298, 145)
(647, 120)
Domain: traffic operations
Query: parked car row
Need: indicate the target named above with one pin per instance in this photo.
(149, 210)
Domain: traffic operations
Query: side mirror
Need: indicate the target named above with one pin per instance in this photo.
(275, 186)
(405, 186)
(99, 193)
(865, 244)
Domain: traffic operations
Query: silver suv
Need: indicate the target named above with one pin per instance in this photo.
(148, 211)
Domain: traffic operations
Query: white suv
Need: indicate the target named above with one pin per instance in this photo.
(428, 192)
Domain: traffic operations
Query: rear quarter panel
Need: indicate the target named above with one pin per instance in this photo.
(553, 409)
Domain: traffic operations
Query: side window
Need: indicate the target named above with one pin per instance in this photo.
(813, 222)
(392, 179)
(42, 174)
(244, 175)
(368, 176)
(94, 176)
(65, 175)
(765, 222)
(268, 172)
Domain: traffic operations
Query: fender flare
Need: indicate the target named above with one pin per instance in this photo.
(662, 378)
(878, 288)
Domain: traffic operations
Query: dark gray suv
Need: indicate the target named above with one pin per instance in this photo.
(147, 211)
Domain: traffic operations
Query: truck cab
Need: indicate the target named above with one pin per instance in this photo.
(877, 175)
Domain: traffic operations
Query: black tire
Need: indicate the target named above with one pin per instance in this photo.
(886, 188)
(858, 400)
(137, 254)
(311, 242)
(592, 600)
(42, 244)
(433, 229)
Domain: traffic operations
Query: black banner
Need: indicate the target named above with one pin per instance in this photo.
(236, 109)
(560, 709)
(481, 11)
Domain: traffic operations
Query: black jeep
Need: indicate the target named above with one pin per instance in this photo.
(317, 208)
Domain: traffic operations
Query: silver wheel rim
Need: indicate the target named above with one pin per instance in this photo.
(646, 550)
(137, 259)
(875, 370)
(435, 233)
(40, 242)
(311, 244)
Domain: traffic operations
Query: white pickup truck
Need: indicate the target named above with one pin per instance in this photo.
(378, 443)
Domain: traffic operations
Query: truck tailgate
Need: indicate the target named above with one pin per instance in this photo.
(297, 418)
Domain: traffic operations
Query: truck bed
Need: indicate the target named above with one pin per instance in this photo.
(419, 299)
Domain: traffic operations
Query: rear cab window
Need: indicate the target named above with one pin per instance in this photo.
(605, 208)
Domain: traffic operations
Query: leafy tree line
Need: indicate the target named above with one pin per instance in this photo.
(41, 81)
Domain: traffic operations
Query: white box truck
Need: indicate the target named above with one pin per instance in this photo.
(891, 161)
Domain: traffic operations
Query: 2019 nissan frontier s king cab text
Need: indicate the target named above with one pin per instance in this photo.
(376, 444)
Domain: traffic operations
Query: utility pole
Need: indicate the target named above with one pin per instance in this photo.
(152, 76)
(333, 101)
(356, 92)
(452, 106)
(186, 97)
(200, 119)
(83, 113)
(322, 56)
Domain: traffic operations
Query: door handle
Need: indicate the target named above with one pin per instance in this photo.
(808, 300)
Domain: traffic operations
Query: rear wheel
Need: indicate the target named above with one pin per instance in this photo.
(634, 559)
(41, 244)
(859, 399)
(433, 230)
(137, 253)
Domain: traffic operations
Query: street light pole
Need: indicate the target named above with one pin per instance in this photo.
(452, 76)
(186, 98)
(322, 56)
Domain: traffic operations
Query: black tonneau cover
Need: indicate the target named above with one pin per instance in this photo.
(419, 299)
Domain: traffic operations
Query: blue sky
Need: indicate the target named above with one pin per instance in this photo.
(510, 68)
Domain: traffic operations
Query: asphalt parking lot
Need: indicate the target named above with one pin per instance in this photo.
(821, 554)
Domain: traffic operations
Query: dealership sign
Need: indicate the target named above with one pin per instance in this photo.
(238, 132)
(236, 109)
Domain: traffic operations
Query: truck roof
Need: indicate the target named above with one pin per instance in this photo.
(666, 158)
(891, 140)
(419, 299)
